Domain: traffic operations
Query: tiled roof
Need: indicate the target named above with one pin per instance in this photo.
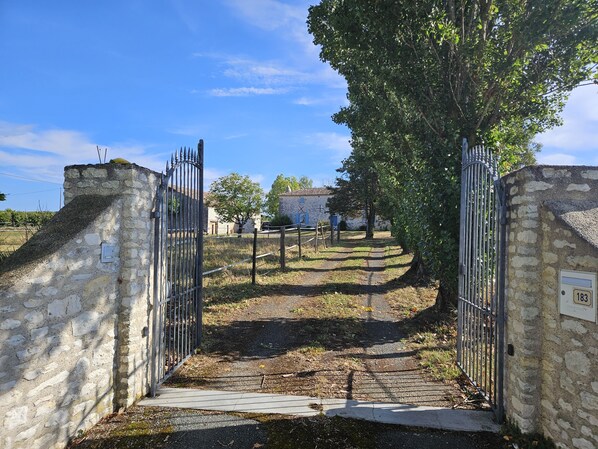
(309, 192)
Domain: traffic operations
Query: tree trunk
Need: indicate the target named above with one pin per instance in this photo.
(370, 217)
(446, 298)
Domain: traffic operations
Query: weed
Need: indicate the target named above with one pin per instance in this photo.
(515, 439)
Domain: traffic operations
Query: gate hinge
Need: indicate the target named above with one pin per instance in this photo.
(155, 214)
(461, 268)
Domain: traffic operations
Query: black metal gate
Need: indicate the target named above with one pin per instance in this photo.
(480, 340)
(178, 259)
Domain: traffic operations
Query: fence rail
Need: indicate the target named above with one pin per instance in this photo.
(289, 238)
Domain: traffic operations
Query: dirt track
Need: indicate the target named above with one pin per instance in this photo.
(288, 344)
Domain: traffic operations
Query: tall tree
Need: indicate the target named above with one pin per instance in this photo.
(281, 185)
(357, 189)
(236, 199)
(423, 75)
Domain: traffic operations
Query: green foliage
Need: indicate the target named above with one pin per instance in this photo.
(423, 75)
(342, 225)
(15, 218)
(281, 220)
(2, 196)
(174, 205)
(119, 160)
(281, 185)
(236, 198)
(358, 188)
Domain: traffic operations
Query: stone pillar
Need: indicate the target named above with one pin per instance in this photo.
(137, 188)
(531, 283)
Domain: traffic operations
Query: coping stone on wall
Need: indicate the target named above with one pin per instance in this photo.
(68, 222)
(580, 216)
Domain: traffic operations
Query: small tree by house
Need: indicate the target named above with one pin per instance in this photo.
(236, 199)
(281, 185)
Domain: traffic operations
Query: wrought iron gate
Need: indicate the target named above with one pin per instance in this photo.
(480, 340)
(178, 259)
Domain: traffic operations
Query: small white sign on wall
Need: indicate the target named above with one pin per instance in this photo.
(577, 294)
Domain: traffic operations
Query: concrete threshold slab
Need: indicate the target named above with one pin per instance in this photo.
(401, 414)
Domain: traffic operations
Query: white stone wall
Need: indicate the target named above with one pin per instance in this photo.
(74, 347)
(311, 207)
(57, 328)
(551, 383)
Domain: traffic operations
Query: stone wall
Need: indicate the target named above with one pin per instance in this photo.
(75, 330)
(551, 382)
(309, 207)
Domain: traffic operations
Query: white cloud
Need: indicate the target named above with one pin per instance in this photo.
(297, 65)
(245, 91)
(272, 15)
(43, 154)
(577, 138)
(557, 159)
(337, 145)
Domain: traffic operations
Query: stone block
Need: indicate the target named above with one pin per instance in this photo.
(560, 244)
(27, 354)
(592, 418)
(57, 308)
(33, 303)
(9, 324)
(34, 318)
(549, 257)
(589, 401)
(519, 261)
(582, 443)
(86, 323)
(16, 417)
(27, 434)
(577, 362)
(60, 377)
(38, 333)
(537, 186)
(578, 188)
(590, 174)
(92, 239)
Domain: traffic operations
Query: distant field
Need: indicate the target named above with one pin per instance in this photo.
(12, 238)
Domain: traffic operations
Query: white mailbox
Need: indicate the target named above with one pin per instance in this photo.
(108, 253)
(577, 294)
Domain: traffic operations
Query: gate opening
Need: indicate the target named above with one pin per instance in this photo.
(178, 256)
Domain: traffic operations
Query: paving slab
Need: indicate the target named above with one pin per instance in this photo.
(401, 414)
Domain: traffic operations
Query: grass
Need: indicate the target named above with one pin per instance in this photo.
(431, 333)
(12, 239)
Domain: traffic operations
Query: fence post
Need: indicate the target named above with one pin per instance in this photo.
(299, 238)
(316, 239)
(338, 234)
(282, 248)
(254, 257)
(331, 234)
(323, 236)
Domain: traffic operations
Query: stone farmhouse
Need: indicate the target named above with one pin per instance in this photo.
(308, 206)
(213, 225)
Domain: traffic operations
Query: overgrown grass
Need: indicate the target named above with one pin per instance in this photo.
(12, 239)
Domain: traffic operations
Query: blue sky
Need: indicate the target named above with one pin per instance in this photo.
(144, 78)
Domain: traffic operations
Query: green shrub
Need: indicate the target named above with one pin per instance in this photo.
(281, 220)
